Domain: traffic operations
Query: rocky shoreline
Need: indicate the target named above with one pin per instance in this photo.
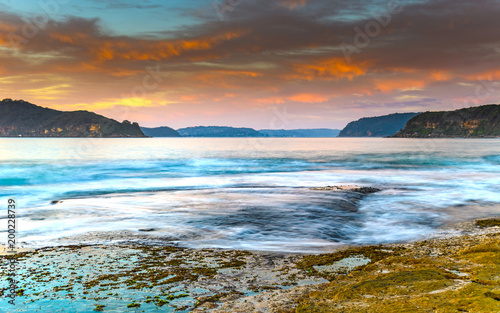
(454, 273)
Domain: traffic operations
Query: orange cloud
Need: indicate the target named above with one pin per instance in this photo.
(226, 79)
(52, 92)
(241, 73)
(415, 80)
(190, 98)
(493, 74)
(395, 70)
(6, 27)
(399, 83)
(249, 61)
(62, 37)
(334, 68)
(155, 50)
(130, 102)
(292, 4)
(441, 75)
(271, 100)
(308, 98)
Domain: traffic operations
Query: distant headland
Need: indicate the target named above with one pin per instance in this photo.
(474, 122)
(19, 118)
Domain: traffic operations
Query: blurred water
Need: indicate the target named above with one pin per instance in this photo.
(247, 193)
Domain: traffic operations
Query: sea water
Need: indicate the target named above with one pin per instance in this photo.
(244, 193)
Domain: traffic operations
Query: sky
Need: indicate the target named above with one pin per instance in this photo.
(281, 64)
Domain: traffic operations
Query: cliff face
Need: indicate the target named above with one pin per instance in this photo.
(379, 126)
(20, 118)
(482, 121)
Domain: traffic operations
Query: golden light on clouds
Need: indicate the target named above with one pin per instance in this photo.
(271, 100)
(335, 68)
(265, 54)
(130, 102)
(308, 98)
(241, 73)
(403, 84)
(49, 93)
(143, 50)
(441, 75)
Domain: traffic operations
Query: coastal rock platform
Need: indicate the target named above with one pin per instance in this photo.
(458, 272)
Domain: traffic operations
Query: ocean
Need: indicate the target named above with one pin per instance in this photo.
(244, 193)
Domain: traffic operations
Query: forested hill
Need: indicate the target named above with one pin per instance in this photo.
(162, 131)
(379, 126)
(19, 118)
(481, 121)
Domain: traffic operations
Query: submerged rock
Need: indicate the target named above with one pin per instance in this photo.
(352, 188)
(147, 229)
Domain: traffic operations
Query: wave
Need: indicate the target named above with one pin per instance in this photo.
(222, 196)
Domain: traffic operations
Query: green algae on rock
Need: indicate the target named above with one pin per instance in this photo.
(102, 277)
(460, 274)
(492, 222)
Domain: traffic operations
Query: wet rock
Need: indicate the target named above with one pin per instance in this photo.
(147, 229)
(491, 222)
(352, 188)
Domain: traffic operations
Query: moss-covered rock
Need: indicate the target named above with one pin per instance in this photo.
(492, 222)
(449, 275)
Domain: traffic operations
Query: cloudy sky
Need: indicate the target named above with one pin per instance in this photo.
(254, 63)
